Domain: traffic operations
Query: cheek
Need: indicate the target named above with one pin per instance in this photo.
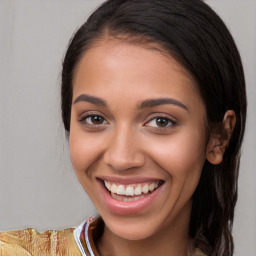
(84, 150)
(180, 155)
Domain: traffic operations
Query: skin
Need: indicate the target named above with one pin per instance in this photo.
(129, 143)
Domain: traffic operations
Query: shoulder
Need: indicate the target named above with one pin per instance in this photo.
(31, 242)
(199, 253)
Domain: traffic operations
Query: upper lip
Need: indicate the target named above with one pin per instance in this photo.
(128, 180)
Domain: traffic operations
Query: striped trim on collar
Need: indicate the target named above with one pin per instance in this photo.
(77, 236)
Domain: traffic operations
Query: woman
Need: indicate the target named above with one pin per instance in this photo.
(154, 105)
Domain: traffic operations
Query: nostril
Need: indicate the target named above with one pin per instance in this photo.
(124, 152)
(122, 161)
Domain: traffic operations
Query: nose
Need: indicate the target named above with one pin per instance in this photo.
(124, 150)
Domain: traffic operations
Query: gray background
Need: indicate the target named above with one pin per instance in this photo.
(37, 185)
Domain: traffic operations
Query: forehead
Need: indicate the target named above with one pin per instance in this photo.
(133, 70)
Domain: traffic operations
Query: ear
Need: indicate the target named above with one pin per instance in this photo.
(218, 143)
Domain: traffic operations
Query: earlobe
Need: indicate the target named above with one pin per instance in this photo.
(218, 143)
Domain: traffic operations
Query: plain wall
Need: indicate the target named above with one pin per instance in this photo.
(37, 185)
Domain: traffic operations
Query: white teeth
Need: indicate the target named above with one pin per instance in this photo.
(126, 198)
(145, 189)
(120, 190)
(131, 190)
(137, 190)
(151, 187)
(114, 188)
(108, 185)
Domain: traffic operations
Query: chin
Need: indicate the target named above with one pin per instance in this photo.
(136, 228)
(132, 233)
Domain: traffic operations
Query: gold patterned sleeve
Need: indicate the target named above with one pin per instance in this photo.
(199, 253)
(29, 242)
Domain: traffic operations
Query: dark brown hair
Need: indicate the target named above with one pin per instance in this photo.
(191, 32)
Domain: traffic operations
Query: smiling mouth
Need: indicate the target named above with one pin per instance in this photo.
(131, 192)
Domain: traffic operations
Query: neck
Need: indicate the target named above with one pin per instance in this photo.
(172, 240)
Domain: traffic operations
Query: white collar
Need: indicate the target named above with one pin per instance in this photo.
(77, 234)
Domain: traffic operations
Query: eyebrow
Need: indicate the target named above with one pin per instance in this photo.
(91, 99)
(161, 101)
(149, 103)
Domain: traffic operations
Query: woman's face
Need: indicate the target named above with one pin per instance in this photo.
(138, 130)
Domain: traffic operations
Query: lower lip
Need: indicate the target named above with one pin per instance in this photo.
(132, 207)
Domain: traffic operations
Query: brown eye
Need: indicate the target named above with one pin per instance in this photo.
(93, 120)
(161, 122)
(97, 119)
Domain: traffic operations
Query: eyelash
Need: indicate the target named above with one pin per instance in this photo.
(170, 122)
(85, 118)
